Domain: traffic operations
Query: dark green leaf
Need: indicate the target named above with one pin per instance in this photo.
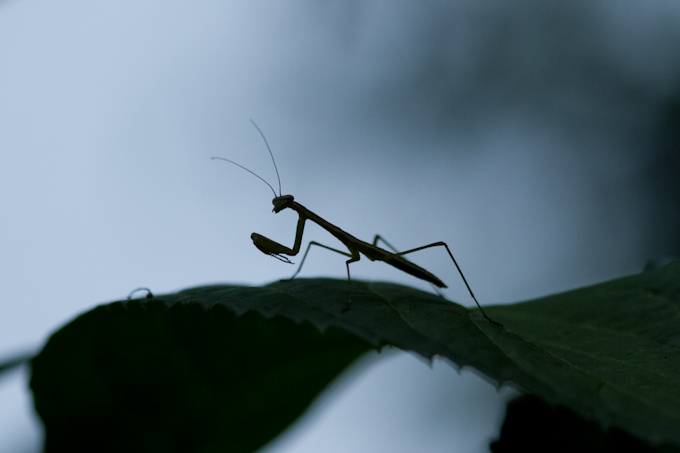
(608, 352)
(154, 377)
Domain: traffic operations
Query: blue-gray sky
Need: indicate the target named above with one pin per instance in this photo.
(538, 139)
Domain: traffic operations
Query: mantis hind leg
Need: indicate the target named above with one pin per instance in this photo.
(438, 244)
(327, 248)
(394, 249)
(380, 238)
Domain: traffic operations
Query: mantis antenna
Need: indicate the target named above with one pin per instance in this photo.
(252, 172)
(270, 153)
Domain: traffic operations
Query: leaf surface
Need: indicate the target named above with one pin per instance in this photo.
(151, 376)
(609, 352)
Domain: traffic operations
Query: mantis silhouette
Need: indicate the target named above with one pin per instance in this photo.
(354, 245)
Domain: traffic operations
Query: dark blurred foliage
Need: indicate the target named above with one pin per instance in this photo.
(663, 181)
(459, 65)
(601, 80)
(531, 425)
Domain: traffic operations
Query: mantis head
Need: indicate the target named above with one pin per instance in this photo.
(282, 202)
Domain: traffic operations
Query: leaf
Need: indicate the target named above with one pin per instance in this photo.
(158, 377)
(608, 352)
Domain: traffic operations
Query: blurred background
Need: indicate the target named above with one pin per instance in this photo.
(541, 141)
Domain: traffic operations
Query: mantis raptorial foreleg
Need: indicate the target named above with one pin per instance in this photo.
(277, 250)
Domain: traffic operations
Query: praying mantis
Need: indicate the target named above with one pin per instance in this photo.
(355, 246)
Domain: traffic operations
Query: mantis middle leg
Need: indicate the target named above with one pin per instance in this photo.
(353, 256)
